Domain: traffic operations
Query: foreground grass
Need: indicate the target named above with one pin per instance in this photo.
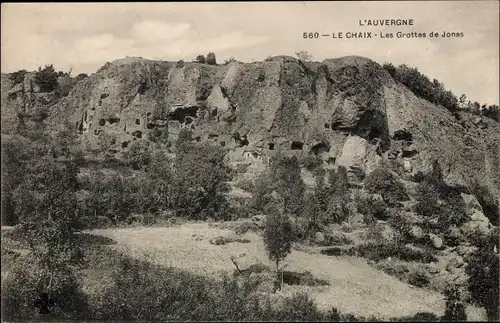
(120, 286)
(353, 285)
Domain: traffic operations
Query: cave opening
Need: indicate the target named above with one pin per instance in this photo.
(113, 120)
(402, 135)
(320, 148)
(270, 146)
(137, 134)
(180, 114)
(137, 121)
(297, 145)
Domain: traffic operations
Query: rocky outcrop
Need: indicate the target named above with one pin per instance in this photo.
(348, 111)
(478, 222)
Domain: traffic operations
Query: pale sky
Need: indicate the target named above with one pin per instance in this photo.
(83, 36)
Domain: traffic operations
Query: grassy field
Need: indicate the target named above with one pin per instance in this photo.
(355, 286)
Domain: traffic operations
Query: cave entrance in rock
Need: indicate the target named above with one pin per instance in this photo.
(402, 135)
(297, 145)
(320, 148)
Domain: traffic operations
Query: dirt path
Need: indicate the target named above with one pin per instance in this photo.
(355, 287)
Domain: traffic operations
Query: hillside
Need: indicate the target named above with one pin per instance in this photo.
(391, 197)
(348, 111)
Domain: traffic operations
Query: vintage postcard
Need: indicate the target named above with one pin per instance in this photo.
(250, 161)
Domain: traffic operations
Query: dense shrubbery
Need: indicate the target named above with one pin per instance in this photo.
(200, 180)
(435, 199)
(435, 92)
(380, 181)
(18, 76)
(483, 275)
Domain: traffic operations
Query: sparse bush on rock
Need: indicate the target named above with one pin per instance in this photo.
(380, 181)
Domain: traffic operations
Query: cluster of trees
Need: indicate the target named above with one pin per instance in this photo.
(209, 59)
(49, 80)
(435, 92)
(304, 56)
(193, 185)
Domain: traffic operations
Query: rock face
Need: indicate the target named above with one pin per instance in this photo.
(348, 111)
(436, 241)
(478, 221)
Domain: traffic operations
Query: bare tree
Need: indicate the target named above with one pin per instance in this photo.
(304, 55)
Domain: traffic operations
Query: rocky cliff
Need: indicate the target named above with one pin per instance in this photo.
(348, 111)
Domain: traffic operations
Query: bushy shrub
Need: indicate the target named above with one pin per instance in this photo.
(380, 181)
(311, 162)
(211, 60)
(379, 251)
(419, 279)
(246, 185)
(138, 154)
(27, 280)
(108, 196)
(46, 78)
(229, 61)
(371, 207)
(299, 307)
(17, 76)
(200, 59)
(200, 181)
(483, 282)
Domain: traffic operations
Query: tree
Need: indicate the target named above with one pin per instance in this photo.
(390, 68)
(455, 308)
(286, 175)
(201, 180)
(211, 59)
(138, 154)
(483, 282)
(81, 77)
(46, 78)
(48, 222)
(229, 61)
(159, 177)
(304, 55)
(278, 237)
(200, 59)
(492, 112)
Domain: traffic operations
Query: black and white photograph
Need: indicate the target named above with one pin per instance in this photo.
(324, 161)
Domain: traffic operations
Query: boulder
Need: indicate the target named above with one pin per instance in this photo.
(465, 251)
(358, 157)
(319, 238)
(478, 223)
(385, 232)
(433, 269)
(218, 241)
(416, 232)
(471, 203)
(454, 264)
(436, 241)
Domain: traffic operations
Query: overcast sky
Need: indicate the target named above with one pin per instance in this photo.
(83, 36)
